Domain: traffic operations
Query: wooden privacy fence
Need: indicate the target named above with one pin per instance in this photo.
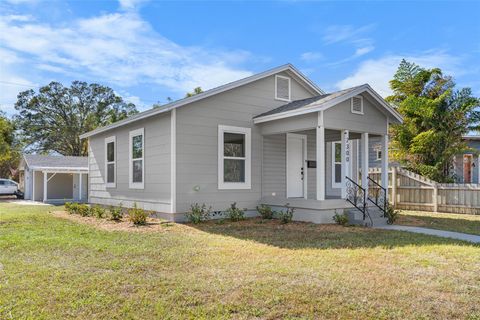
(410, 191)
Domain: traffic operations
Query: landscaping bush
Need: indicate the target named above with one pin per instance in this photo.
(391, 214)
(68, 207)
(115, 213)
(98, 211)
(84, 210)
(235, 214)
(341, 219)
(198, 213)
(137, 216)
(287, 215)
(265, 211)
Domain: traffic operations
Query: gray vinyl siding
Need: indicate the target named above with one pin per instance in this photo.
(157, 166)
(274, 166)
(274, 160)
(197, 142)
(341, 117)
(38, 185)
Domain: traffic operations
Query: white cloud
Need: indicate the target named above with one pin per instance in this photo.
(130, 4)
(311, 56)
(11, 83)
(119, 48)
(363, 50)
(344, 33)
(378, 72)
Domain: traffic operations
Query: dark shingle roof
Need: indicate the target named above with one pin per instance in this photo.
(46, 161)
(293, 105)
(298, 104)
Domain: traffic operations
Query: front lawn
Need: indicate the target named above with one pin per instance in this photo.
(466, 223)
(51, 267)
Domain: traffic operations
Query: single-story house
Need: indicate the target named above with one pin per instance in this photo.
(54, 179)
(466, 165)
(272, 138)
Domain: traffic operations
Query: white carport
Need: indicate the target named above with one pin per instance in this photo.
(54, 179)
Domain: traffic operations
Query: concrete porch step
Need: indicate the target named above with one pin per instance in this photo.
(355, 217)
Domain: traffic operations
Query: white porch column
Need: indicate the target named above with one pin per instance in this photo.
(365, 162)
(45, 184)
(385, 161)
(320, 157)
(80, 187)
(345, 146)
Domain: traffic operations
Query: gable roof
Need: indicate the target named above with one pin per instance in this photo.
(308, 84)
(324, 102)
(47, 162)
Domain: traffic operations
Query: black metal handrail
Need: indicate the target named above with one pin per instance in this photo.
(356, 195)
(379, 195)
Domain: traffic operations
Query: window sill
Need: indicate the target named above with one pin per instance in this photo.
(136, 186)
(234, 186)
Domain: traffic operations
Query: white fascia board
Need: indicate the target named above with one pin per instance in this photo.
(206, 94)
(64, 169)
(315, 107)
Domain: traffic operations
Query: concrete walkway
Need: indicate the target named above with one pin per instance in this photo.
(434, 232)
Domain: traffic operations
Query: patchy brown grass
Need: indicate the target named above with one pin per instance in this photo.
(466, 223)
(55, 267)
(152, 225)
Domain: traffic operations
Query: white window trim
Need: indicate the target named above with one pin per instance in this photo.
(289, 88)
(131, 184)
(335, 185)
(222, 185)
(114, 183)
(361, 104)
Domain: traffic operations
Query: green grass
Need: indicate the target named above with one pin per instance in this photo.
(465, 223)
(55, 268)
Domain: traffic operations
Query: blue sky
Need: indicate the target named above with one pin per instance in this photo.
(150, 50)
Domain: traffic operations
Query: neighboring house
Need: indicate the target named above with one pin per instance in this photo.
(466, 165)
(54, 179)
(272, 138)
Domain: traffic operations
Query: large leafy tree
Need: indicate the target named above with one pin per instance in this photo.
(436, 115)
(9, 148)
(53, 119)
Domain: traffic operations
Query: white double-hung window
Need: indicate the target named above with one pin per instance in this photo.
(234, 157)
(136, 159)
(110, 162)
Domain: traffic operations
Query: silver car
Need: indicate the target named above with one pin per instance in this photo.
(9, 188)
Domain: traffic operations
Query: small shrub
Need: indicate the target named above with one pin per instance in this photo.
(287, 215)
(71, 208)
(341, 219)
(137, 216)
(198, 213)
(98, 211)
(391, 214)
(235, 214)
(84, 210)
(115, 213)
(265, 211)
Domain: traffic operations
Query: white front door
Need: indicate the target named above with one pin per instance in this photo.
(296, 171)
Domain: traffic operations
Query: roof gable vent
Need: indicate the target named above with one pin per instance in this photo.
(282, 88)
(357, 104)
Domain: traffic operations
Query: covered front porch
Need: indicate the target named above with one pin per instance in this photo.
(314, 161)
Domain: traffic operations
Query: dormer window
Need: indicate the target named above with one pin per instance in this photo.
(357, 105)
(282, 88)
